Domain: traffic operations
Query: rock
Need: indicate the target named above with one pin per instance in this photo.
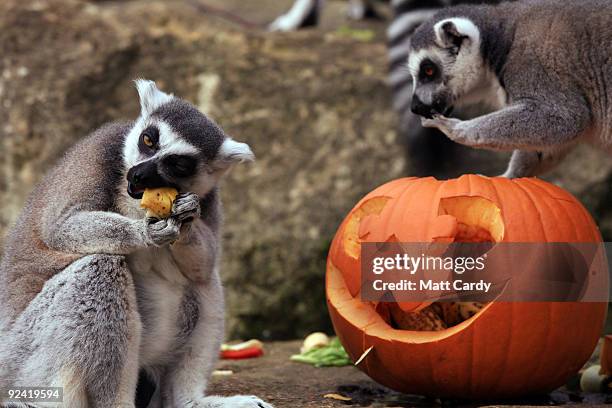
(313, 105)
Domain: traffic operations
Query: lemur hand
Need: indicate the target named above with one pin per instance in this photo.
(163, 231)
(444, 124)
(453, 128)
(185, 209)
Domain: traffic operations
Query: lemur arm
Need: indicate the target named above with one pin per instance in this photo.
(105, 232)
(94, 232)
(527, 125)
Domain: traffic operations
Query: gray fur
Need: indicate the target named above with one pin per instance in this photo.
(92, 292)
(547, 64)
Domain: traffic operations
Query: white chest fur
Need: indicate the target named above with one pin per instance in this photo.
(159, 291)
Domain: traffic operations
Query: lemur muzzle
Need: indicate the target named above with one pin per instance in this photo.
(144, 175)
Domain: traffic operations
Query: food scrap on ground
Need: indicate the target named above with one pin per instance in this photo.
(314, 340)
(593, 381)
(337, 397)
(222, 373)
(248, 349)
(331, 355)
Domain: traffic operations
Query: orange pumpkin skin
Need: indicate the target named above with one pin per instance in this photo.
(507, 350)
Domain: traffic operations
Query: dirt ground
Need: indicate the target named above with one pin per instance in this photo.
(293, 385)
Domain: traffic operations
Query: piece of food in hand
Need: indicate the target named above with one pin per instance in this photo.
(158, 201)
(314, 340)
(247, 349)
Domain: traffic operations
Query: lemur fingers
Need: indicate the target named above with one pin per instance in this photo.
(470, 133)
(449, 126)
(186, 207)
(162, 232)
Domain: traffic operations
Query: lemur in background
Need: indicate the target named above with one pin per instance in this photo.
(91, 291)
(545, 67)
(306, 13)
(430, 151)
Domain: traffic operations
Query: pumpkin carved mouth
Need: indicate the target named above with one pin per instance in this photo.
(470, 219)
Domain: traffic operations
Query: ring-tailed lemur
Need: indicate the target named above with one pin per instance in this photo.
(544, 66)
(92, 293)
(429, 151)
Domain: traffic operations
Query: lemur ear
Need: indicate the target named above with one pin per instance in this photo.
(151, 97)
(232, 152)
(453, 32)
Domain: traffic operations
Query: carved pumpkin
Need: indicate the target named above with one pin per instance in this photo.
(504, 350)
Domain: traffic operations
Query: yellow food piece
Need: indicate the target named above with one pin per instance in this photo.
(158, 201)
(337, 397)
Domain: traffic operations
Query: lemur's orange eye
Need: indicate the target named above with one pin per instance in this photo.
(146, 139)
(429, 71)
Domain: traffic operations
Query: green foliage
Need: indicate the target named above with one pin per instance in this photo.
(332, 355)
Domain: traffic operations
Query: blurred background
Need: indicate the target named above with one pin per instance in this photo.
(315, 105)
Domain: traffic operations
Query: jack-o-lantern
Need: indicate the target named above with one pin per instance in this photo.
(495, 350)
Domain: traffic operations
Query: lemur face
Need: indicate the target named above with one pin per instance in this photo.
(172, 144)
(445, 63)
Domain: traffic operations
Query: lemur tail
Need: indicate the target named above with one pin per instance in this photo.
(427, 150)
(407, 16)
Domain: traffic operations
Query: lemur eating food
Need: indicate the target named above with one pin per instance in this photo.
(92, 294)
(542, 65)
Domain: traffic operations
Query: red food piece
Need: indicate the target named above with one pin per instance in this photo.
(250, 352)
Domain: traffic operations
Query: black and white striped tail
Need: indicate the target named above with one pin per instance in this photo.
(408, 15)
(428, 150)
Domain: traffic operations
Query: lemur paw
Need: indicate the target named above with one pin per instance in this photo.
(453, 128)
(444, 124)
(162, 232)
(186, 207)
(237, 401)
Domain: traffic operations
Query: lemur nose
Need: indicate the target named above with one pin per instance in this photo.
(145, 175)
(139, 174)
(419, 108)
